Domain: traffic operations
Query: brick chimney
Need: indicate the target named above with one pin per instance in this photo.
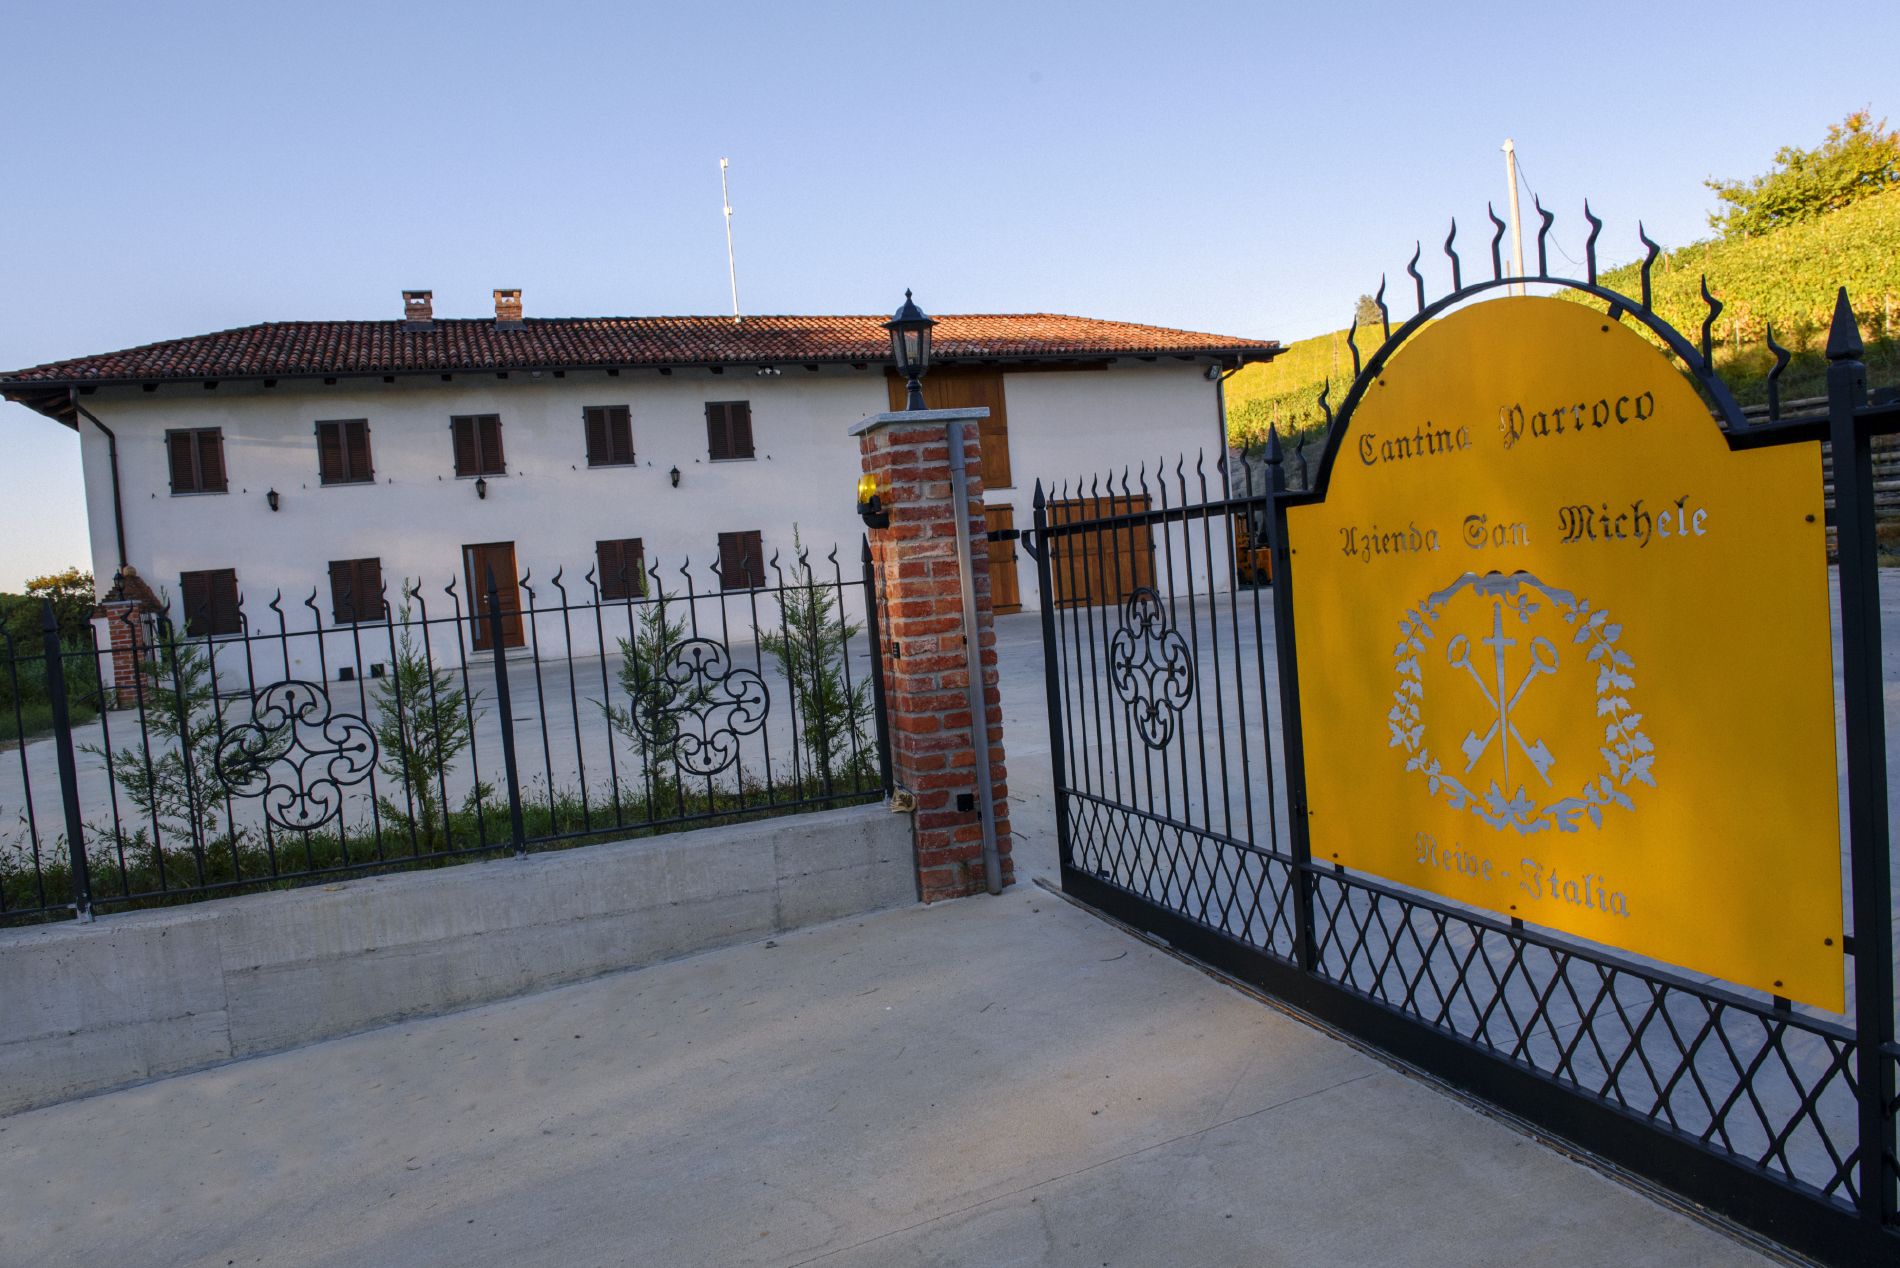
(508, 307)
(418, 309)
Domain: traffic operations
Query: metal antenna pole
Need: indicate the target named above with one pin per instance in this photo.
(1517, 223)
(732, 270)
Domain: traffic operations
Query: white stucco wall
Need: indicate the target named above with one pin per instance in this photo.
(1072, 427)
(417, 515)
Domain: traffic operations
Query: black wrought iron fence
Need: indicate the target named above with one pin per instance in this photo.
(435, 727)
(1163, 654)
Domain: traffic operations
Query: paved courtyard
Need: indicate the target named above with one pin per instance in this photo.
(992, 1081)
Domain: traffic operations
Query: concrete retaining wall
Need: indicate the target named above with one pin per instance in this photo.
(130, 997)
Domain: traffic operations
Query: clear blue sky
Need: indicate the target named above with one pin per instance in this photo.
(1247, 168)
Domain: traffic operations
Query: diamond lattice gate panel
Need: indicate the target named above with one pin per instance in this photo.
(1182, 764)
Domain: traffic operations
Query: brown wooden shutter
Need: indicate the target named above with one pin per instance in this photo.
(342, 590)
(224, 602)
(598, 444)
(621, 568)
(620, 429)
(194, 593)
(210, 600)
(464, 434)
(718, 443)
(609, 568)
(741, 560)
(492, 463)
(356, 590)
(356, 449)
(370, 603)
(994, 432)
(211, 461)
(184, 469)
(739, 416)
(330, 464)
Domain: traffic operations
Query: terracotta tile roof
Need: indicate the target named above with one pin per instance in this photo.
(293, 349)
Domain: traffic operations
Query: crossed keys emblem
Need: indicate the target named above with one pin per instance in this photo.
(1503, 729)
(1505, 670)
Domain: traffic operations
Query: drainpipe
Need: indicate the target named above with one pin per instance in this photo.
(112, 454)
(1220, 378)
(973, 663)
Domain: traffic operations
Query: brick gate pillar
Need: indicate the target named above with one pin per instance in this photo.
(933, 752)
(126, 613)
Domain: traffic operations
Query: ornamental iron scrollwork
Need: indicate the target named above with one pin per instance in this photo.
(1150, 668)
(699, 704)
(296, 754)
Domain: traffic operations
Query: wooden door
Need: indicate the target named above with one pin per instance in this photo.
(1101, 565)
(478, 562)
(1005, 592)
(955, 387)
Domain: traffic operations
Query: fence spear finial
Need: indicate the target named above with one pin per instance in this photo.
(1843, 333)
(1649, 258)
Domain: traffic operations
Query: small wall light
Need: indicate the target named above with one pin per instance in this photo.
(674, 476)
(871, 506)
(273, 499)
(481, 486)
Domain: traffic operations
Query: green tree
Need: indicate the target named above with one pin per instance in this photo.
(424, 723)
(1366, 311)
(172, 776)
(809, 647)
(650, 719)
(1858, 158)
(73, 600)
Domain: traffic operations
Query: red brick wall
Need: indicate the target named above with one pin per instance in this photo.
(921, 616)
(125, 625)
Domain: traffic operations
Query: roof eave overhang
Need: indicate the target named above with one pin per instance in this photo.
(54, 397)
(55, 400)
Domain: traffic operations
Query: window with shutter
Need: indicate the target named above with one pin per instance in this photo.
(741, 560)
(478, 445)
(356, 591)
(343, 452)
(609, 435)
(210, 601)
(728, 430)
(196, 458)
(622, 568)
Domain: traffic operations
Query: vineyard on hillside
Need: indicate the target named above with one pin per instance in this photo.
(1786, 279)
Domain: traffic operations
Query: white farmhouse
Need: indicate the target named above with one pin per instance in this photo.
(337, 457)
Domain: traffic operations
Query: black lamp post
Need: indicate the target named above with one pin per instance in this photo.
(272, 498)
(910, 348)
(481, 486)
(674, 475)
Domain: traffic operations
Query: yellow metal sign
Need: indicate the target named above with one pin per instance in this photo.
(1565, 656)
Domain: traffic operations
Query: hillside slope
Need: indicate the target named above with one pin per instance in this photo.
(1787, 279)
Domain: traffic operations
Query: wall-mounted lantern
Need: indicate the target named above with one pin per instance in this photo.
(273, 499)
(910, 348)
(674, 476)
(481, 487)
(871, 508)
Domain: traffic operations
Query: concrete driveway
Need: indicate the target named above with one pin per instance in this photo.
(992, 1081)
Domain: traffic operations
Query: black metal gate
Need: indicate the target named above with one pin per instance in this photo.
(1178, 770)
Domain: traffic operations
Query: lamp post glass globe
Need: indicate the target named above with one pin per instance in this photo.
(910, 348)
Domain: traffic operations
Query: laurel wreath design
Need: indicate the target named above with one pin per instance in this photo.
(1628, 754)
